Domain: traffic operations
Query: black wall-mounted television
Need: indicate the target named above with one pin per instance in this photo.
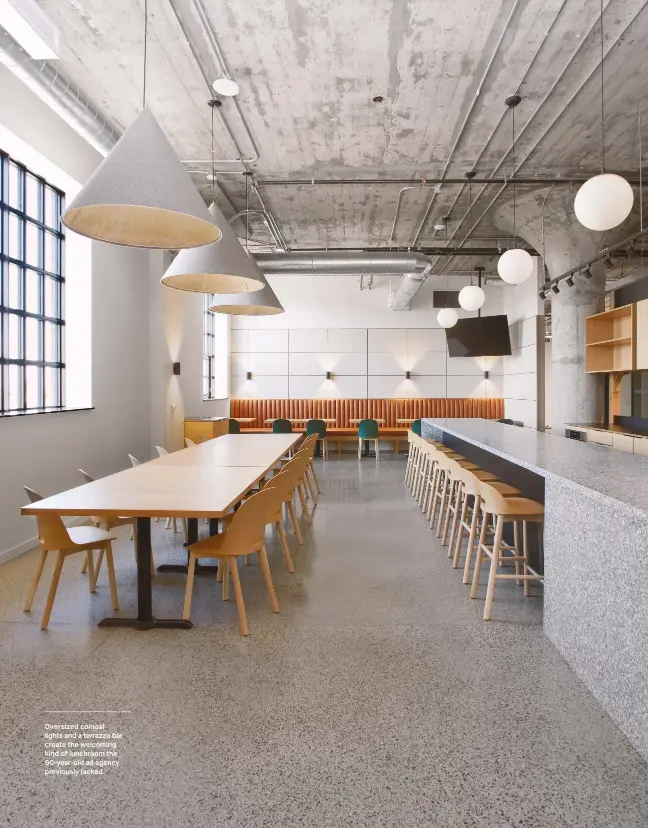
(479, 336)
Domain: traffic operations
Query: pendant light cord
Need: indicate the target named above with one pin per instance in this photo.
(145, 53)
(247, 210)
(602, 98)
(514, 168)
(213, 168)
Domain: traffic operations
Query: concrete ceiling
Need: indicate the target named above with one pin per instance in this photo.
(308, 70)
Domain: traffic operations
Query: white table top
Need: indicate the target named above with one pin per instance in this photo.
(171, 487)
(406, 419)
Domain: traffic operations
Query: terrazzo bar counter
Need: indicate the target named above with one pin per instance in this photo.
(595, 555)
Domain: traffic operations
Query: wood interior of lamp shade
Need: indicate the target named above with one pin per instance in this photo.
(138, 226)
(246, 310)
(212, 283)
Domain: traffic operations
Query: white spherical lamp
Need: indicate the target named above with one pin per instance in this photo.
(515, 266)
(447, 317)
(471, 297)
(603, 202)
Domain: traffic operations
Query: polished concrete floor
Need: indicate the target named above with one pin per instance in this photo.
(377, 697)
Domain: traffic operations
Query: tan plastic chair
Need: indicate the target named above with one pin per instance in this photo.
(189, 443)
(53, 535)
(302, 464)
(309, 445)
(245, 534)
(504, 510)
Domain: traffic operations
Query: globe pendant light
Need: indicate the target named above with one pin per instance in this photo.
(447, 317)
(222, 267)
(606, 200)
(516, 265)
(471, 297)
(141, 195)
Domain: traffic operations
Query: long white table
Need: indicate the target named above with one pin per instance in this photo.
(203, 481)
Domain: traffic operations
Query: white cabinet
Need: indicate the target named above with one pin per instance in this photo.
(603, 438)
(641, 445)
(623, 442)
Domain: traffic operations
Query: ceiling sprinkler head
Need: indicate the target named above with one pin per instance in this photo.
(226, 86)
(378, 99)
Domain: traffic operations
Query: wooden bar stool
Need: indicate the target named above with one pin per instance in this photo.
(505, 510)
(53, 535)
(245, 534)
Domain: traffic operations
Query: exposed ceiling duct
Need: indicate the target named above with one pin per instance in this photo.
(335, 262)
(51, 85)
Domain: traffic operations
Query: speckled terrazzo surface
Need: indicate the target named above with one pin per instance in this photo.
(377, 697)
(609, 472)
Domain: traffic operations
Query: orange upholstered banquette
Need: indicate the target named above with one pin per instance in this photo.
(389, 410)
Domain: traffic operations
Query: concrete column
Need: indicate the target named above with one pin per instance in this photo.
(577, 397)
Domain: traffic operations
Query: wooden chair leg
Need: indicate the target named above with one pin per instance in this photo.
(167, 524)
(191, 573)
(284, 546)
(359, 449)
(312, 468)
(225, 564)
(460, 533)
(295, 522)
(110, 563)
(457, 512)
(304, 505)
(517, 551)
(480, 556)
(267, 577)
(311, 488)
(93, 572)
(497, 543)
(37, 576)
(471, 538)
(97, 568)
(525, 552)
(377, 448)
(132, 534)
(84, 566)
(52, 590)
(442, 506)
(238, 594)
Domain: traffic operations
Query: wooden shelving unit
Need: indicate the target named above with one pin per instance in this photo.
(610, 341)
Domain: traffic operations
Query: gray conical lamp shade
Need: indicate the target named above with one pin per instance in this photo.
(259, 303)
(142, 196)
(222, 267)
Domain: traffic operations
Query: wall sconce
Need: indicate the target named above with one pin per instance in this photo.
(329, 375)
(485, 374)
(408, 375)
(176, 369)
(248, 375)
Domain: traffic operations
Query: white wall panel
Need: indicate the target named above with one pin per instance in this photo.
(305, 340)
(428, 363)
(428, 386)
(347, 340)
(318, 364)
(521, 386)
(269, 388)
(523, 333)
(419, 340)
(386, 364)
(388, 340)
(240, 341)
(269, 364)
(467, 386)
(380, 387)
(319, 387)
(265, 341)
(522, 360)
(524, 411)
(466, 366)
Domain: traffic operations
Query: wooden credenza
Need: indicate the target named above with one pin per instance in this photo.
(200, 429)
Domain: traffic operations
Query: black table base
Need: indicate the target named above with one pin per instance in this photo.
(192, 537)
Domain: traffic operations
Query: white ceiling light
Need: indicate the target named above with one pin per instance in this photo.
(226, 86)
(515, 266)
(447, 317)
(606, 200)
(257, 303)
(30, 27)
(603, 202)
(471, 297)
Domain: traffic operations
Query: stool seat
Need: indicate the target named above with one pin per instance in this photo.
(521, 508)
(505, 489)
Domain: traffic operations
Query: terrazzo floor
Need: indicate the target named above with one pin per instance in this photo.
(377, 697)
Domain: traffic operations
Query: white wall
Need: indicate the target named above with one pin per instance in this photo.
(44, 451)
(330, 325)
(522, 372)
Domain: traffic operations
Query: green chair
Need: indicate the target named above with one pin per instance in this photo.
(318, 427)
(367, 430)
(416, 427)
(233, 427)
(282, 426)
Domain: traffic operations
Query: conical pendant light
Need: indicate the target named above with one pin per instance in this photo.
(606, 200)
(222, 267)
(515, 265)
(141, 195)
(258, 303)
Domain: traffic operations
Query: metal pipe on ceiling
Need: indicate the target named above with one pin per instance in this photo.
(429, 181)
(51, 85)
(264, 215)
(553, 122)
(429, 250)
(466, 119)
(342, 262)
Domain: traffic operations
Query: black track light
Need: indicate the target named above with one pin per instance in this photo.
(569, 281)
(608, 263)
(542, 294)
(587, 273)
(555, 288)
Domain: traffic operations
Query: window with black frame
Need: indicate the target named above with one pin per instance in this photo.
(209, 349)
(32, 361)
